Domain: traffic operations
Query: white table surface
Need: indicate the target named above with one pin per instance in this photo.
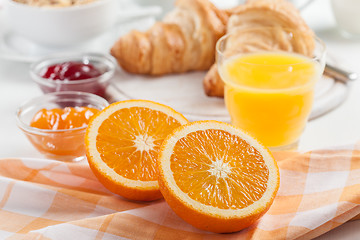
(339, 127)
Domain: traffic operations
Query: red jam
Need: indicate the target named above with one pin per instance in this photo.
(68, 76)
(71, 71)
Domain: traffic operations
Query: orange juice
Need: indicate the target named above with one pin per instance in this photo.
(270, 94)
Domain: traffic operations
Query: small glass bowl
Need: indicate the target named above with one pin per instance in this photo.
(64, 144)
(97, 85)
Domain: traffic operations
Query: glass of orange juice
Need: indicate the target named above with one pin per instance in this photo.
(270, 75)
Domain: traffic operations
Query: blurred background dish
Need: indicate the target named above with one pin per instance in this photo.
(54, 3)
(345, 12)
(61, 26)
(16, 47)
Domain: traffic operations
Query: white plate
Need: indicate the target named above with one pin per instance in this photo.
(184, 93)
(17, 48)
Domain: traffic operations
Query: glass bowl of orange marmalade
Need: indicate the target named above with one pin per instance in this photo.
(55, 123)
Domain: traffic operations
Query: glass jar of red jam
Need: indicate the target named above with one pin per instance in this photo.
(90, 73)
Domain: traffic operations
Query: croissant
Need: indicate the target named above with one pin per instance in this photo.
(184, 41)
(278, 14)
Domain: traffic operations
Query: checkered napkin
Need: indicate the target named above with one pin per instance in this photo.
(43, 199)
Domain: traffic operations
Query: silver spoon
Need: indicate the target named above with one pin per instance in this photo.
(339, 74)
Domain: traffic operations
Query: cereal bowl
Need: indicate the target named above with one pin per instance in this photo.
(103, 63)
(59, 144)
(61, 26)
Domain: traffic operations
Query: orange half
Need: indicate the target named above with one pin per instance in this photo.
(216, 177)
(122, 144)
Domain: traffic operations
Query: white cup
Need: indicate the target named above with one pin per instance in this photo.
(63, 26)
(346, 13)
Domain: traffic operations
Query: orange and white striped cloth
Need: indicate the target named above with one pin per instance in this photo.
(44, 199)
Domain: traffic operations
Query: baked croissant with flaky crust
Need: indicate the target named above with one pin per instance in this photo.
(184, 41)
(281, 16)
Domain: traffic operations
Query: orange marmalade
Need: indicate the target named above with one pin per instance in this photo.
(63, 138)
(67, 118)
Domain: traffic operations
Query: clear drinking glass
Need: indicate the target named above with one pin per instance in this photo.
(269, 93)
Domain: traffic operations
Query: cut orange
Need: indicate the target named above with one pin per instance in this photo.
(122, 144)
(216, 177)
